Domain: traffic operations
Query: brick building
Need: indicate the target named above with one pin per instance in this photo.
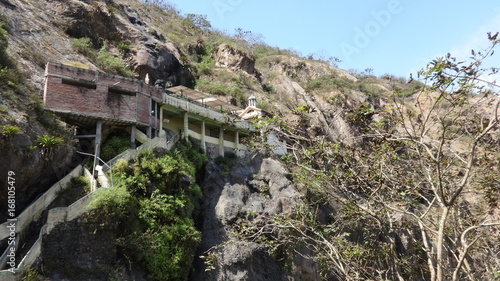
(82, 97)
(90, 99)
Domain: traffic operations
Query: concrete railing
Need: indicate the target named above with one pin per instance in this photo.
(65, 214)
(28, 260)
(140, 136)
(206, 112)
(126, 155)
(149, 145)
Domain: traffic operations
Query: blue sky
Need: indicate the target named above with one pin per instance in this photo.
(390, 36)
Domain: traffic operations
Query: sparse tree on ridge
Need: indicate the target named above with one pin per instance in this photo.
(417, 196)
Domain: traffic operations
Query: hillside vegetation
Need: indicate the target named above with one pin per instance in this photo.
(385, 178)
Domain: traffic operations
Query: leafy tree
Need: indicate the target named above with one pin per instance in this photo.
(249, 36)
(199, 21)
(415, 196)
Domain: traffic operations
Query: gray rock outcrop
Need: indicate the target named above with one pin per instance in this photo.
(229, 57)
(256, 191)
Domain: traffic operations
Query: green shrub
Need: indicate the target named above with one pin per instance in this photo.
(191, 152)
(153, 203)
(48, 142)
(5, 60)
(102, 57)
(111, 202)
(9, 130)
(31, 274)
(371, 89)
(220, 89)
(114, 146)
(205, 63)
(263, 50)
(361, 117)
(111, 64)
(12, 85)
(31, 148)
(11, 78)
(169, 251)
(80, 181)
(205, 66)
(300, 108)
(226, 162)
(268, 88)
(84, 46)
(329, 83)
(124, 48)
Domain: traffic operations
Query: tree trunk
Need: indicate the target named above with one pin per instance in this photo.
(440, 243)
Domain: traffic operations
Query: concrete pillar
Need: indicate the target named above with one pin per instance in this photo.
(186, 126)
(236, 140)
(161, 119)
(221, 141)
(203, 144)
(149, 131)
(132, 137)
(97, 148)
(98, 138)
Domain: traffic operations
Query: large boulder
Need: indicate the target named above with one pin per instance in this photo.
(158, 61)
(232, 58)
(257, 190)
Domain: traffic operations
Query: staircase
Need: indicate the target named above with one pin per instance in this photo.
(61, 214)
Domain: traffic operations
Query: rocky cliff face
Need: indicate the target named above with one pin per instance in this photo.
(41, 31)
(254, 191)
(320, 101)
(44, 30)
(229, 57)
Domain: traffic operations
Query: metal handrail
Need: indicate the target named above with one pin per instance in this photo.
(93, 168)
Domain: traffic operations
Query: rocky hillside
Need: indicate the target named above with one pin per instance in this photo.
(131, 38)
(373, 161)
